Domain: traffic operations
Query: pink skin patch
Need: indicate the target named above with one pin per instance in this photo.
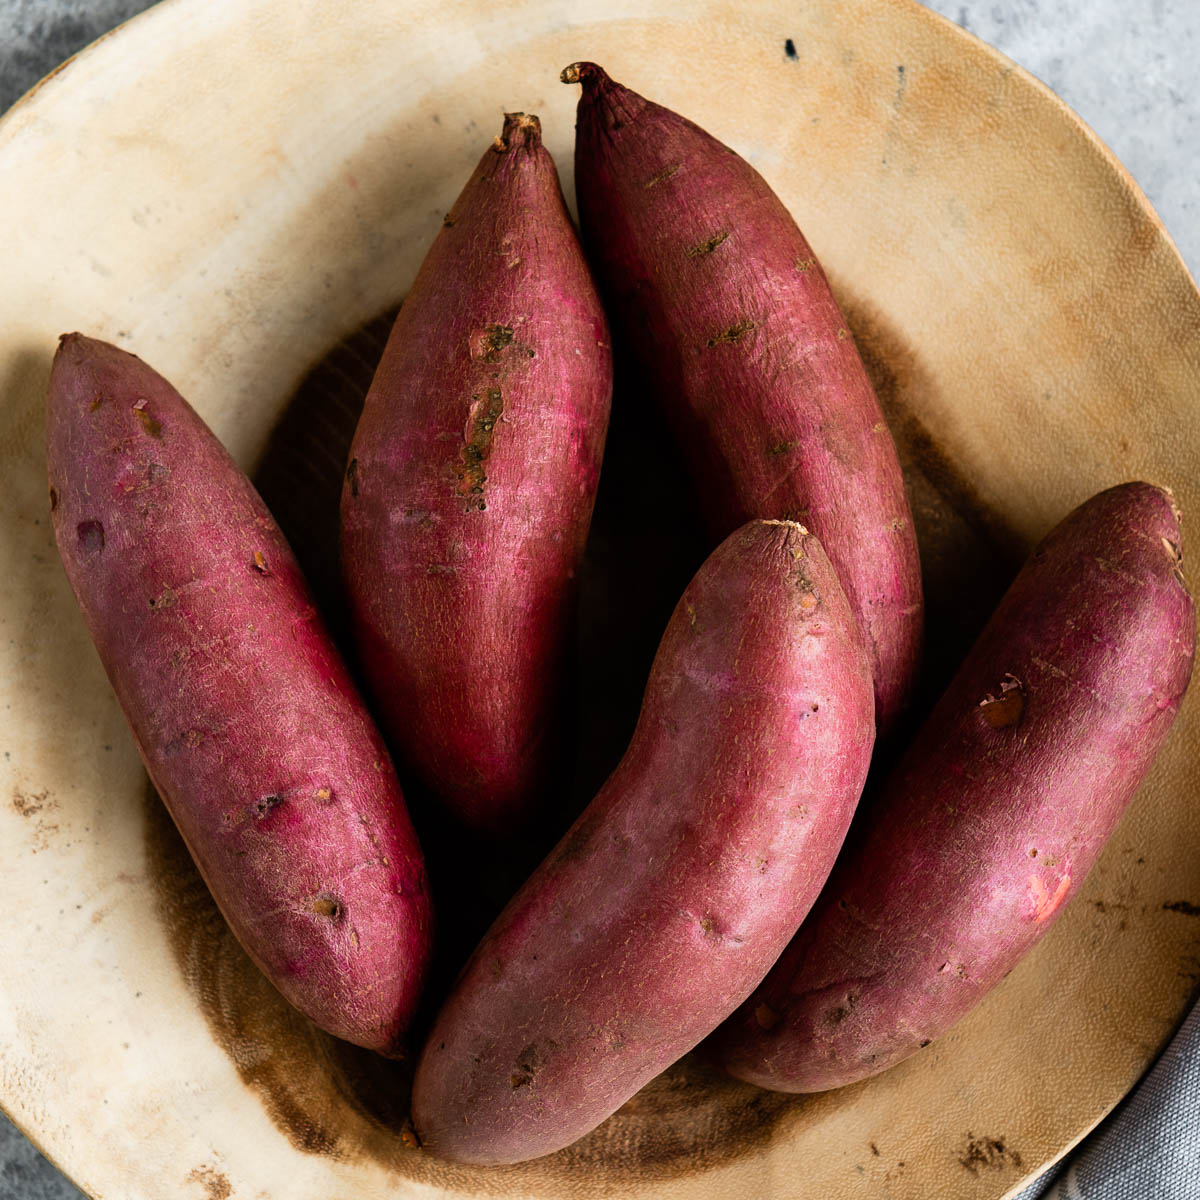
(1045, 902)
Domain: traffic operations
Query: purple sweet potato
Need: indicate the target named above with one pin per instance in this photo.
(680, 884)
(470, 489)
(996, 813)
(723, 306)
(243, 712)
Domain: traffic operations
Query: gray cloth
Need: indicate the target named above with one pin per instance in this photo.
(1149, 1147)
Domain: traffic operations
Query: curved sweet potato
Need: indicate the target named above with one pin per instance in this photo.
(242, 710)
(470, 489)
(998, 810)
(724, 306)
(676, 889)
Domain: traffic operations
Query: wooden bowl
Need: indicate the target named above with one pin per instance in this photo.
(232, 191)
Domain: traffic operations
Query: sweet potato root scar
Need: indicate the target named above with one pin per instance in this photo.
(519, 129)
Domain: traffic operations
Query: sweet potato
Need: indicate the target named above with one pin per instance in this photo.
(992, 819)
(676, 889)
(721, 302)
(243, 712)
(470, 488)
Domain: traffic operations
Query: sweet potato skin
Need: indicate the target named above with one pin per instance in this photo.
(721, 301)
(243, 712)
(672, 894)
(997, 811)
(470, 489)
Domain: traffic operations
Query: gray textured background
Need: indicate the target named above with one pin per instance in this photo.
(1122, 64)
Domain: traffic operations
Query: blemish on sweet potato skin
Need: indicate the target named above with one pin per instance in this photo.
(1005, 708)
(659, 176)
(489, 343)
(734, 333)
(328, 906)
(484, 413)
(190, 591)
(266, 804)
(1045, 901)
(91, 536)
(996, 809)
(708, 245)
(148, 422)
